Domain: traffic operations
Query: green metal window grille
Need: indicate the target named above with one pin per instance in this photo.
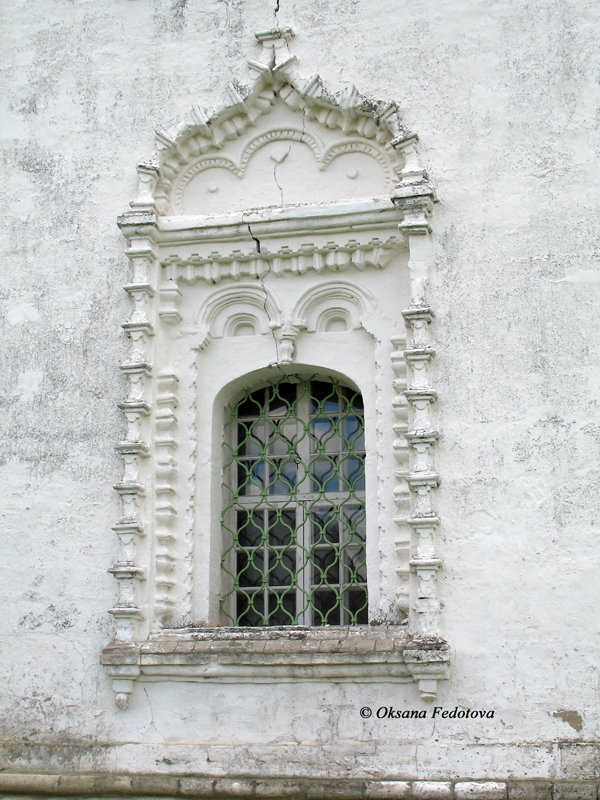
(294, 511)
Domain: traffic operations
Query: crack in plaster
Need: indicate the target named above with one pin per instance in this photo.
(275, 172)
(258, 244)
(302, 133)
(266, 297)
(152, 716)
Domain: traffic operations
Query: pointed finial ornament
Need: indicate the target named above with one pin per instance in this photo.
(274, 43)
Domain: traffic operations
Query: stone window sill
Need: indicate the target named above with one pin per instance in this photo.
(263, 655)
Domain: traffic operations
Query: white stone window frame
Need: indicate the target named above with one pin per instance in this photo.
(169, 568)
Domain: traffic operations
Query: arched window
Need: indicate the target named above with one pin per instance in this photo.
(294, 506)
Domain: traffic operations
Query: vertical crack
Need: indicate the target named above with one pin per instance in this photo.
(278, 163)
(287, 154)
(267, 261)
(152, 715)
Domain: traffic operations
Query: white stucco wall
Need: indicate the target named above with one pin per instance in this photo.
(505, 97)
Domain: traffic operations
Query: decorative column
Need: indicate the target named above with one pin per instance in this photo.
(139, 227)
(422, 477)
(427, 657)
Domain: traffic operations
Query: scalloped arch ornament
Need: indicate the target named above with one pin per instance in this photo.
(324, 156)
(278, 308)
(370, 127)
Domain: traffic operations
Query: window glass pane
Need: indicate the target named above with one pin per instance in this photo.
(282, 608)
(281, 527)
(282, 398)
(282, 438)
(326, 607)
(352, 431)
(325, 526)
(248, 442)
(353, 521)
(324, 473)
(250, 528)
(323, 398)
(353, 399)
(282, 476)
(251, 406)
(355, 570)
(326, 566)
(355, 601)
(250, 608)
(250, 565)
(282, 567)
(353, 474)
(251, 477)
(323, 436)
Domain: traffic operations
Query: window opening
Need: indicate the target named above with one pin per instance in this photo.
(294, 515)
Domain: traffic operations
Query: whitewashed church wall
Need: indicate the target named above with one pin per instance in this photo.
(505, 99)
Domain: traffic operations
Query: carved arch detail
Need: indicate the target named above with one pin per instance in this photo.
(339, 296)
(226, 307)
(277, 135)
(358, 146)
(248, 323)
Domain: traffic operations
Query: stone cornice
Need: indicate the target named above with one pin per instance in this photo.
(345, 215)
(138, 223)
(335, 236)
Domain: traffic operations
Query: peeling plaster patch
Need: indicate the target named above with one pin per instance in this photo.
(29, 385)
(24, 312)
(572, 718)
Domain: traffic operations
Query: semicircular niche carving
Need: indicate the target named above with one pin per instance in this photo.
(285, 171)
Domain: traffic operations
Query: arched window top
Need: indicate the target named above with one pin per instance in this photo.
(294, 509)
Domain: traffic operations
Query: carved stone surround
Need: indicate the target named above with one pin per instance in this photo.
(275, 269)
